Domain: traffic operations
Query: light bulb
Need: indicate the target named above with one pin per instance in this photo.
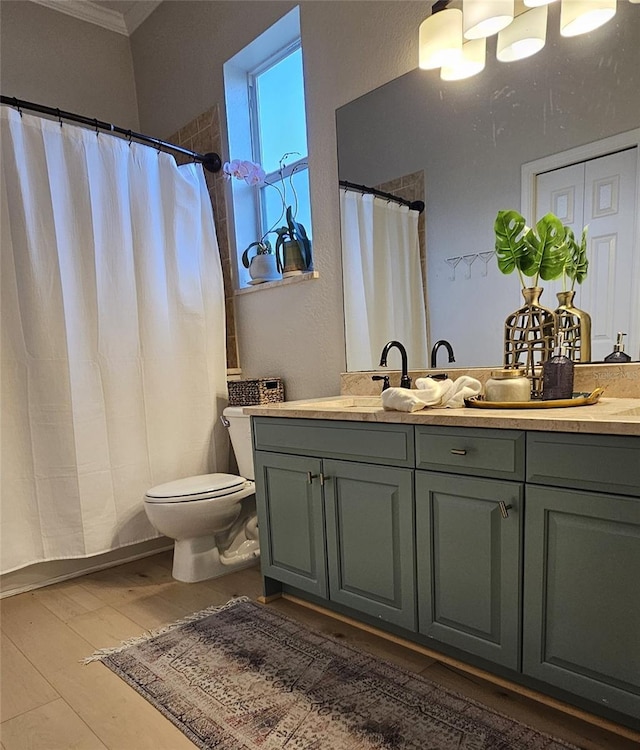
(440, 41)
(580, 16)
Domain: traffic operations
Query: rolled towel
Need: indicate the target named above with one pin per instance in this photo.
(429, 392)
(401, 399)
(454, 394)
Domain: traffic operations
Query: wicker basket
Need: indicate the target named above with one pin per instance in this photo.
(255, 392)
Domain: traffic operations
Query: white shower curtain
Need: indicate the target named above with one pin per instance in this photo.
(383, 288)
(113, 354)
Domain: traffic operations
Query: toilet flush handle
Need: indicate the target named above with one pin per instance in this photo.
(225, 421)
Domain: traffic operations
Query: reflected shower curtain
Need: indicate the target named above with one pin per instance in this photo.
(383, 288)
(113, 355)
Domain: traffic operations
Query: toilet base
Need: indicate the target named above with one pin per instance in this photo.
(199, 559)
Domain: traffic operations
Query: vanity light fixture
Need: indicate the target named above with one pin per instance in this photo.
(580, 16)
(474, 54)
(483, 18)
(521, 30)
(440, 39)
(524, 37)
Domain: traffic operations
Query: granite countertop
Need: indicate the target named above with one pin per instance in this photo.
(610, 416)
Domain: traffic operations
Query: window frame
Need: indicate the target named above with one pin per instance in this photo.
(298, 165)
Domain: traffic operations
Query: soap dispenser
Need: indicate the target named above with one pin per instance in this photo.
(618, 354)
(557, 375)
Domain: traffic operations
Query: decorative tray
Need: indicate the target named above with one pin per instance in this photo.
(578, 399)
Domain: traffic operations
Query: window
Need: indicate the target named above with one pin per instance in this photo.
(266, 123)
(279, 134)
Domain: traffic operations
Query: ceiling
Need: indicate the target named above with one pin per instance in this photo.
(121, 16)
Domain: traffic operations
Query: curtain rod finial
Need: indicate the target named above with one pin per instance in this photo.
(212, 162)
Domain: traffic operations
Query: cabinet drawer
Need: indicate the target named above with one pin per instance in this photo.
(365, 442)
(605, 463)
(460, 450)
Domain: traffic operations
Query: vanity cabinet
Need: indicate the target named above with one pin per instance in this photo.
(582, 567)
(519, 548)
(468, 564)
(291, 521)
(468, 539)
(340, 529)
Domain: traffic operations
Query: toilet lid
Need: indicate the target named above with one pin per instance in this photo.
(196, 488)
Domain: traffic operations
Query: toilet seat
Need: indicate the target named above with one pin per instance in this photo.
(201, 487)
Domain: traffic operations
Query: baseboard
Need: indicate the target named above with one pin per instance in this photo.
(566, 708)
(55, 571)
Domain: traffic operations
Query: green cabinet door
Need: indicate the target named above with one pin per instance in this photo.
(468, 564)
(291, 520)
(370, 540)
(582, 595)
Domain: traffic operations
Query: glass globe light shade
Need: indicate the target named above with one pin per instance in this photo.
(524, 37)
(440, 39)
(536, 3)
(473, 59)
(482, 18)
(580, 16)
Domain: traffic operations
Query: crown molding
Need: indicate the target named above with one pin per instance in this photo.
(85, 10)
(138, 13)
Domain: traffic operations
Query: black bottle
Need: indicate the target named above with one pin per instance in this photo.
(557, 377)
(618, 354)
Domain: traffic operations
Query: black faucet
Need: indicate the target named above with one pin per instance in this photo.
(434, 351)
(405, 380)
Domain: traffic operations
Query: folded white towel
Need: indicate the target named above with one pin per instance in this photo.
(401, 399)
(456, 392)
(429, 392)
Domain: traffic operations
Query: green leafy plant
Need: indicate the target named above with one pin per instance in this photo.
(539, 252)
(292, 231)
(576, 261)
(263, 248)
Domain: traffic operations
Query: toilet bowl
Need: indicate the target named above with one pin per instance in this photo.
(211, 517)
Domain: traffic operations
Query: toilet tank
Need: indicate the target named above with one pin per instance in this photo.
(240, 433)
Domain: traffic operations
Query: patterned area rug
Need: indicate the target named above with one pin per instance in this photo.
(243, 677)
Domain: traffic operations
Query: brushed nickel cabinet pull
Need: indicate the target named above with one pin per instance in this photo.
(504, 509)
(311, 477)
(459, 451)
(322, 479)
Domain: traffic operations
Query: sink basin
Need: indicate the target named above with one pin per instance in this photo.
(341, 403)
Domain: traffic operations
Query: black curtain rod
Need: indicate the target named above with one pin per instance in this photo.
(211, 162)
(413, 205)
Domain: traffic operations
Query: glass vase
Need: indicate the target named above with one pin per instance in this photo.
(574, 328)
(529, 338)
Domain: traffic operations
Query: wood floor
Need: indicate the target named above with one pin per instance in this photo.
(50, 700)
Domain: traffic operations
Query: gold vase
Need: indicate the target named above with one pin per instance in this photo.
(290, 259)
(574, 328)
(529, 337)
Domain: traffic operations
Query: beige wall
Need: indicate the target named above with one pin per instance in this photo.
(53, 59)
(350, 47)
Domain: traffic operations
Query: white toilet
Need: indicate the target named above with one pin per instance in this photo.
(212, 517)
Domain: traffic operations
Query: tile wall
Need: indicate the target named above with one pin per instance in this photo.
(203, 135)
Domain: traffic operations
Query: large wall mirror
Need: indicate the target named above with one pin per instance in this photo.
(470, 140)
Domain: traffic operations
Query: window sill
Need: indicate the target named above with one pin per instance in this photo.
(308, 276)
